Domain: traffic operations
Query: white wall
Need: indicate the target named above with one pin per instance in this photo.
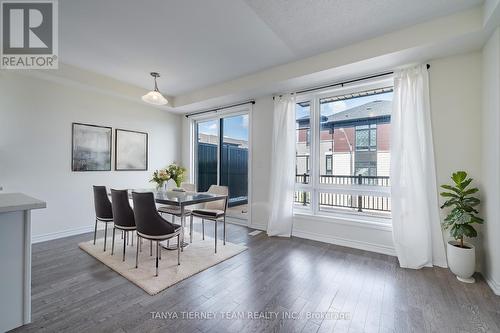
(262, 128)
(455, 87)
(35, 147)
(491, 159)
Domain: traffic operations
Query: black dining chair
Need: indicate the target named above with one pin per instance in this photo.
(213, 211)
(103, 211)
(150, 225)
(123, 217)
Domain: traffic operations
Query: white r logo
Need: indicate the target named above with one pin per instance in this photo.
(17, 29)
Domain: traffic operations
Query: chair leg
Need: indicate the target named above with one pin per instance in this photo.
(157, 258)
(95, 230)
(125, 238)
(178, 249)
(191, 229)
(215, 236)
(137, 254)
(113, 242)
(150, 248)
(159, 250)
(122, 234)
(140, 242)
(105, 234)
(132, 241)
(224, 240)
(203, 229)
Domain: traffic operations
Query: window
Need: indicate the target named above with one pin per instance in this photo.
(329, 164)
(302, 198)
(366, 137)
(303, 139)
(343, 151)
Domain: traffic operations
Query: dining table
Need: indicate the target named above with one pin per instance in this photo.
(180, 199)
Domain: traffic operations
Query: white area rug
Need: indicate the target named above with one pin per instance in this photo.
(196, 257)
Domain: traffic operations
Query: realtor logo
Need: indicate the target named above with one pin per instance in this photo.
(29, 34)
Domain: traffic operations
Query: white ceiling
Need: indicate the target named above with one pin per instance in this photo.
(197, 43)
(309, 27)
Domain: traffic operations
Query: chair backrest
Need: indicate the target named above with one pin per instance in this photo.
(123, 215)
(219, 204)
(189, 187)
(147, 219)
(101, 203)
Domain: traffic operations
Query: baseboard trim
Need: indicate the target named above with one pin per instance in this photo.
(366, 246)
(237, 221)
(495, 286)
(61, 234)
(262, 227)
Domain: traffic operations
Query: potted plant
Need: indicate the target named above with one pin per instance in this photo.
(177, 174)
(461, 217)
(160, 177)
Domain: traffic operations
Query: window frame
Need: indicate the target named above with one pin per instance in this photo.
(314, 186)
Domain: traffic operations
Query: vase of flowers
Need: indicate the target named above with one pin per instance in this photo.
(160, 178)
(177, 174)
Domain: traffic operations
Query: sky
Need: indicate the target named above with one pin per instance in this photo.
(327, 109)
(234, 127)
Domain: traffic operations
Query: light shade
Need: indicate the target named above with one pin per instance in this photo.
(154, 97)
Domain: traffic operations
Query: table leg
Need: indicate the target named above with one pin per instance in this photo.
(183, 224)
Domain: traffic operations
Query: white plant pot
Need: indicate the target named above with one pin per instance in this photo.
(462, 261)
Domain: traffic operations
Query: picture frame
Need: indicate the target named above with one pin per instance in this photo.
(91, 147)
(131, 150)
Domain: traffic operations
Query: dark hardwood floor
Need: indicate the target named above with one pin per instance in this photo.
(309, 281)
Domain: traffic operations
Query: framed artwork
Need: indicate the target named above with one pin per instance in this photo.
(91, 147)
(131, 150)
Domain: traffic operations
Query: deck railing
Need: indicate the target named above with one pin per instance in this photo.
(336, 200)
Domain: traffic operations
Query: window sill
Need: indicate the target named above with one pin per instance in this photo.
(364, 221)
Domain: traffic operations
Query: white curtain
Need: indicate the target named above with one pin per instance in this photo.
(282, 173)
(415, 217)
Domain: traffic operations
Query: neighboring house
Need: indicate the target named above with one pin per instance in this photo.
(354, 141)
(214, 140)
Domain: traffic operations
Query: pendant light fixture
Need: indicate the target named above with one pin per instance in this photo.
(155, 97)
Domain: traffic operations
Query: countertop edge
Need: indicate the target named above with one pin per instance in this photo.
(13, 202)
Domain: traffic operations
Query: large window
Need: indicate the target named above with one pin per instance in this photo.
(343, 151)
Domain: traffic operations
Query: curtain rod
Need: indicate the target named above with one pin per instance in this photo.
(341, 84)
(219, 108)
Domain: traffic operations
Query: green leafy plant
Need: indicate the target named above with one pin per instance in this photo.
(459, 197)
(177, 173)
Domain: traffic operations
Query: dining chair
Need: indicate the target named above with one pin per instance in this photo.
(175, 211)
(150, 225)
(213, 211)
(123, 217)
(103, 211)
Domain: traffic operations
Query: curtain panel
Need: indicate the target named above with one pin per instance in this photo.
(281, 187)
(417, 232)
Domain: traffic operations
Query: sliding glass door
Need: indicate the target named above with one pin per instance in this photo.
(222, 158)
